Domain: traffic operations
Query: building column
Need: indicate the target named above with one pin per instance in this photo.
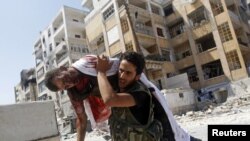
(153, 25)
(118, 21)
(189, 29)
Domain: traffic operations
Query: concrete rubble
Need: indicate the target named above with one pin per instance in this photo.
(29, 121)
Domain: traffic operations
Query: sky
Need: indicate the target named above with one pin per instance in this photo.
(20, 24)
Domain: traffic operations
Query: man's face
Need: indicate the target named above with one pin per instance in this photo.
(64, 80)
(127, 74)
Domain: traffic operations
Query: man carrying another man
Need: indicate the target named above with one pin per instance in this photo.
(132, 102)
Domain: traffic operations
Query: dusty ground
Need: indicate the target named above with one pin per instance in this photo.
(236, 110)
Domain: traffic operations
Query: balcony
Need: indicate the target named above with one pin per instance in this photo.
(204, 28)
(162, 42)
(208, 55)
(61, 47)
(215, 80)
(172, 18)
(87, 4)
(146, 30)
(61, 57)
(76, 25)
(153, 65)
(184, 62)
(59, 30)
(179, 39)
(138, 13)
(158, 19)
(38, 53)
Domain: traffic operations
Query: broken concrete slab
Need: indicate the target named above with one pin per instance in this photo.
(28, 121)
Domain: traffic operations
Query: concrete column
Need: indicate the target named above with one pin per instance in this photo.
(118, 21)
(105, 37)
(192, 45)
(222, 52)
(153, 25)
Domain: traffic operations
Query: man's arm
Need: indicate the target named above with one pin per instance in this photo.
(109, 96)
(81, 121)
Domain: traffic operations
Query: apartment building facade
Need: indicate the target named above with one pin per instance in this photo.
(207, 39)
(60, 44)
(129, 25)
(210, 40)
(26, 90)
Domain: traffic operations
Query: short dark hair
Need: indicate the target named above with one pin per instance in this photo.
(134, 58)
(48, 80)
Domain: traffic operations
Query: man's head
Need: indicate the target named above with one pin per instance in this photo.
(60, 79)
(130, 69)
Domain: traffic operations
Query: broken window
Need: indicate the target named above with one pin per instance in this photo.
(198, 17)
(176, 29)
(225, 33)
(182, 51)
(216, 7)
(159, 32)
(233, 60)
(168, 10)
(155, 9)
(212, 69)
(166, 54)
(191, 73)
(205, 43)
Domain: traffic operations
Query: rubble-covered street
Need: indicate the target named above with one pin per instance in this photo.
(235, 111)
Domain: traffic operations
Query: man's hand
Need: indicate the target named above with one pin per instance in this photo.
(103, 64)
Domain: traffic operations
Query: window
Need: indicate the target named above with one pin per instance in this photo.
(166, 54)
(186, 53)
(100, 41)
(168, 10)
(41, 87)
(49, 33)
(181, 95)
(124, 24)
(205, 43)
(40, 72)
(176, 29)
(129, 46)
(233, 60)
(216, 7)
(191, 73)
(50, 47)
(225, 33)
(198, 17)
(44, 54)
(43, 40)
(77, 36)
(212, 69)
(75, 20)
(159, 32)
(113, 35)
(107, 13)
(85, 50)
